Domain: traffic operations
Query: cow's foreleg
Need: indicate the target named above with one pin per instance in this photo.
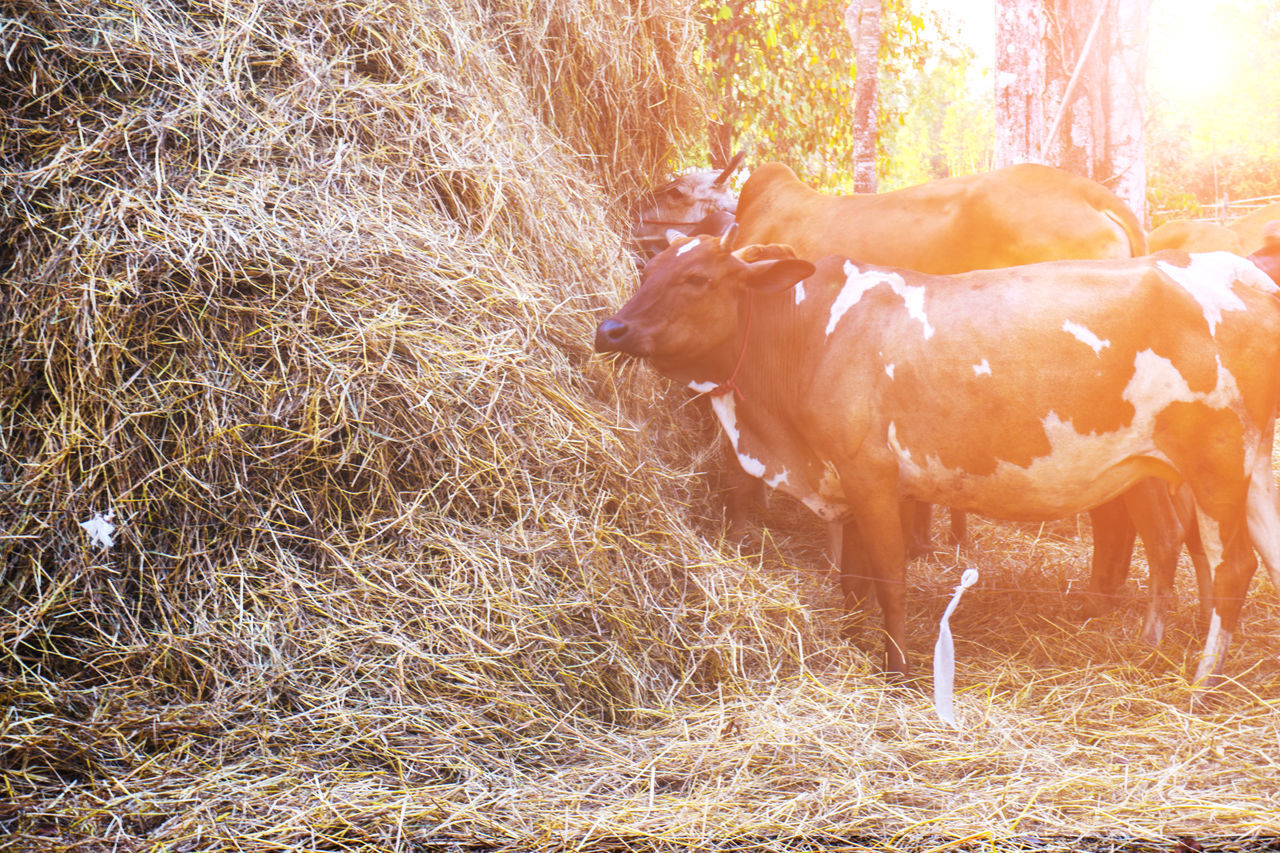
(960, 528)
(742, 493)
(844, 544)
(877, 515)
(916, 522)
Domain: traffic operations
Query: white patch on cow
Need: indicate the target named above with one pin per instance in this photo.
(703, 387)
(727, 412)
(779, 479)
(799, 292)
(828, 501)
(1080, 467)
(983, 369)
(750, 464)
(1209, 277)
(823, 509)
(856, 284)
(896, 446)
(1085, 337)
(888, 369)
(859, 281)
(1156, 383)
(1216, 644)
(913, 296)
(687, 247)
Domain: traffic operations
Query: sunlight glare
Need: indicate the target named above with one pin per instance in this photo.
(1190, 51)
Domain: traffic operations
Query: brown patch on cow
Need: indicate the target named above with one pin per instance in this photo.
(1207, 446)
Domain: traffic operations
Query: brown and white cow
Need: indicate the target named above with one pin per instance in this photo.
(1025, 213)
(1027, 393)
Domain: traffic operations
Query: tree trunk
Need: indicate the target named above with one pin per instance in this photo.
(1082, 63)
(1126, 116)
(862, 18)
(1020, 81)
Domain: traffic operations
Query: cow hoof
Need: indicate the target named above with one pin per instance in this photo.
(1095, 604)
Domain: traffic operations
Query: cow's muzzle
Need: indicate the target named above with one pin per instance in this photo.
(613, 335)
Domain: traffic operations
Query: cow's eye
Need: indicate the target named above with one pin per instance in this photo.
(697, 280)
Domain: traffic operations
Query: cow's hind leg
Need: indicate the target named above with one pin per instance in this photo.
(1150, 505)
(1264, 518)
(1113, 537)
(1231, 576)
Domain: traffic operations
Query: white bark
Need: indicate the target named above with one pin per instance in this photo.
(1019, 81)
(1126, 118)
(862, 19)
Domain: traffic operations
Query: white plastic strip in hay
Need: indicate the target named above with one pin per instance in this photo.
(944, 655)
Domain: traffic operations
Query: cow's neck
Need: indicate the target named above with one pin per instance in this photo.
(759, 365)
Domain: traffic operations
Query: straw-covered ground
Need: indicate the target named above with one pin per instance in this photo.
(299, 296)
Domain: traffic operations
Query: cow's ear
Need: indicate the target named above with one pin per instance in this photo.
(774, 276)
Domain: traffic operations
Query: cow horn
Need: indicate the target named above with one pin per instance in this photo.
(730, 169)
(726, 240)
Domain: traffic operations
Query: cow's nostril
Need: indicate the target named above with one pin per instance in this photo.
(610, 334)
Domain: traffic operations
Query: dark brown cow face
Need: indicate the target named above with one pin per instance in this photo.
(687, 203)
(684, 318)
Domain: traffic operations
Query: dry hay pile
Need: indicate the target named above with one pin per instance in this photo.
(300, 295)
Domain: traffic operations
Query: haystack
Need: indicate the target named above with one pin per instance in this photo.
(323, 529)
(299, 300)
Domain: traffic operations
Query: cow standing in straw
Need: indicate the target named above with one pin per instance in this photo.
(1028, 393)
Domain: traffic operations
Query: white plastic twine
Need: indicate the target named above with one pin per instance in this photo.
(944, 655)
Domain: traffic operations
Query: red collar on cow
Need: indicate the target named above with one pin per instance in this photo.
(731, 384)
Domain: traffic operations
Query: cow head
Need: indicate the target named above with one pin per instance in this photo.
(684, 318)
(696, 202)
(1267, 258)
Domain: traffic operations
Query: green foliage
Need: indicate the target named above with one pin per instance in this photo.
(1217, 143)
(781, 78)
(945, 115)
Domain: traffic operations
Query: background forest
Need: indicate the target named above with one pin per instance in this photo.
(1213, 78)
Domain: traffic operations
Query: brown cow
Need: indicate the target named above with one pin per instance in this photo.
(1191, 236)
(1252, 227)
(1267, 258)
(1028, 393)
(1016, 215)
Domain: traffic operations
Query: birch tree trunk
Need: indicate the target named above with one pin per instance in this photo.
(1102, 48)
(1070, 89)
(1126, 117)
(862, 18)
(1019, 81)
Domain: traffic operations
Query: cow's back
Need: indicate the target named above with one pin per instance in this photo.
(1017, 215)
(1005, 392)
(1191, 236)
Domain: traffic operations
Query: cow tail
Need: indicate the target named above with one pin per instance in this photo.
(1128, 223)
